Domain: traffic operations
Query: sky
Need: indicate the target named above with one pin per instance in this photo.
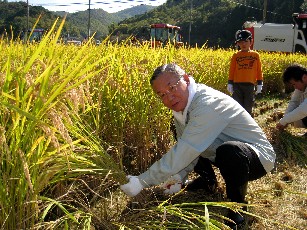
(72, 6)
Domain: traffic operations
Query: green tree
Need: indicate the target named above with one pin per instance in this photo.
(303, 7)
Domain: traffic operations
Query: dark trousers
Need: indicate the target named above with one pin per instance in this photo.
(238, 164)
(304, 120)
(244, 94)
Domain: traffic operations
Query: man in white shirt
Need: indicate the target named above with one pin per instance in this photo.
(211, 128)
(296, 112)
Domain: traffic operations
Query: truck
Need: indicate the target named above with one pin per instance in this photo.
(289, 38)
(163, 34)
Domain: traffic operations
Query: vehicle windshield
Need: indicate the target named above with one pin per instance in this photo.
(159, 34)
(36, 36)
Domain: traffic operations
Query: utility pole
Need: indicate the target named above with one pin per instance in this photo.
(89, 20)
(190, 27)
(28, 15)
(265, 5)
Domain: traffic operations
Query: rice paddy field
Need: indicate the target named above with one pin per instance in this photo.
(75, 120)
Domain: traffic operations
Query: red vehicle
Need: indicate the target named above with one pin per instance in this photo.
(36, 34)
(163, 34)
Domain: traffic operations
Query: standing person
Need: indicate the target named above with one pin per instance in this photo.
(296, 112)
(211, 128)
(245, 71)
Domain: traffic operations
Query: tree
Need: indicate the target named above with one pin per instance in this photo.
(303, 7)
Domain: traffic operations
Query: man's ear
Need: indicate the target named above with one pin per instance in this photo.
(186, 78)
(304, 78)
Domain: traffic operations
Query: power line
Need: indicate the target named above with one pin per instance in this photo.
(78, 5)
(252, 7)
(97, 3)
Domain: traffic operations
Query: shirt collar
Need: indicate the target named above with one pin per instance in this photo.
(181, 116)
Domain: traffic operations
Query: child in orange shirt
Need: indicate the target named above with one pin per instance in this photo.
(245, 71)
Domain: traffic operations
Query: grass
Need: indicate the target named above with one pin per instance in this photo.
(281, 196)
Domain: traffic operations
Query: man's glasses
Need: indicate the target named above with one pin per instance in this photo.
(170, 89)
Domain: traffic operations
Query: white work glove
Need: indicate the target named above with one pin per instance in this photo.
(172, 185)
(230, 88)
(133, 187)
(259, 89)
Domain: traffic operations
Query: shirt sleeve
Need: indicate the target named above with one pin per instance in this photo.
(259, 74)
(232, 69)
(294, 101)
(184, 173)
(204, 126)
(296, 114)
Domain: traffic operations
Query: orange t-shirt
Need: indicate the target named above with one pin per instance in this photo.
(245, 66)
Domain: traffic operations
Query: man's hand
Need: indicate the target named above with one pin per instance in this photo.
(230, 88)
(172, 185)
(133, 187)
(259, 89)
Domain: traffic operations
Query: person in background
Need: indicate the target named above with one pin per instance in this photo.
(296, 112)
(212, 129)
(245, 71)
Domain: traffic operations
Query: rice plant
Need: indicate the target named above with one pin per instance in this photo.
(44, 143)
(76, 119)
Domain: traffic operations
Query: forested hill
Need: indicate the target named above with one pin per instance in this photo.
(14, 15)
(213, 22)
(101, 20)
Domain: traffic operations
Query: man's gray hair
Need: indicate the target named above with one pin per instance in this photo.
(167, 68)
